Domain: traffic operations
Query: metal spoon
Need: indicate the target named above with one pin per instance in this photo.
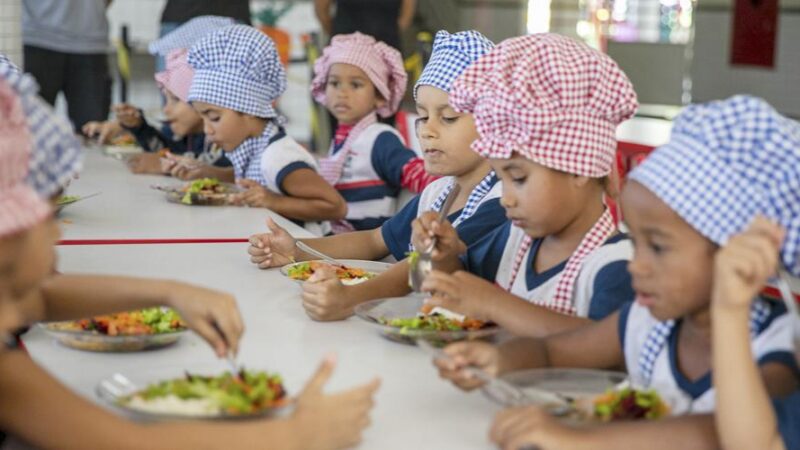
(319, 254)
(423, 265)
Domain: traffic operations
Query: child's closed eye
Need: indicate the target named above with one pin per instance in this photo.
(450, 120)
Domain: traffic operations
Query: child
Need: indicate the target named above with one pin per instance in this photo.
(238, 76)
(56, 159)
(726, 162)
(182, 133)
(546, 108)
(29, 291)
(358, 78)
(445, 137)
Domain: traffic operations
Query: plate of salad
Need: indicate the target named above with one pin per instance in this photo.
(408, 319)
(204, 192)
(196, 393)
(355, 271)
(131, 331)
(591, 395)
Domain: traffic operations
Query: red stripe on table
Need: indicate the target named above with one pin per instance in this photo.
(359, 184)
(147, 241)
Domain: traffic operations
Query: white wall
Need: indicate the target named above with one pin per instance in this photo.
(713, 77)
(11, 30)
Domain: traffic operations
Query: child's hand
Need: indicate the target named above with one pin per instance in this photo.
(448, 244)
(128, 116)
(188, 168)
(256, 195)
(743, 266)
(468, 354)
(325, 297)
(461, 292)
(104, 131)
(528, 427)
(332, 421)
(145, 163)
(211, 314)
(272, 249)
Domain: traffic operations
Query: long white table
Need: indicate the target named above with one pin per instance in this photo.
(414, 408)
(127, 208)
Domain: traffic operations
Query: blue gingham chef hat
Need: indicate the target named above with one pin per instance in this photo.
(238, 68)
(726, 162)
(56, 157)
(451, 54)
(187, 34)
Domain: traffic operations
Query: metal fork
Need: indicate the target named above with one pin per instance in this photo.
(319, 254)
(116, 387)
(788, 298)
(424, 263)
(558, 404)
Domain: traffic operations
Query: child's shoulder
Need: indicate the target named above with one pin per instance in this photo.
(377, 131)
(616, 248)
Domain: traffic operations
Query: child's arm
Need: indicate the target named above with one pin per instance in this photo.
(326, 298)
(533, 427)
(745, 417)
(595, 345)
(65, 421)
(307, 197)
(477, 298)
(273, 249)
(212, 314)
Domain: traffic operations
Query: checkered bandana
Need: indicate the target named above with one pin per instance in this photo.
(728, 161)
(473, 200)
(382, 64)
(20, 207)
(177, 78)
(246, 159)
(452, 53)
(56, 154)
(562, 300)
(187, 34)
(555, 101)
(658, 337)
(238, 68)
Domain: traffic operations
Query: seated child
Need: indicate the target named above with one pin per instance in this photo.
(445, 137)
(726, 163)
(237, 77)
(546, 108)
(188, 154)
(30, 291)
(357, 79)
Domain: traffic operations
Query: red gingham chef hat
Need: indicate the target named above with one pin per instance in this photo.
(555, 101)
(20, 206)
(382, 64)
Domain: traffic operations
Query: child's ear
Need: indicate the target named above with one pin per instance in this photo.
(580, 181)
(379, 102)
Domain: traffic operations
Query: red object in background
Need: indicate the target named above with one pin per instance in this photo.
(755, 30)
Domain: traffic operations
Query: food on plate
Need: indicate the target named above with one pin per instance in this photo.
(67, 199)
(135, 323)
(436, 319)
(123, 140)
(629, 404)
(348, 275)
(207, 188)
(245, 393)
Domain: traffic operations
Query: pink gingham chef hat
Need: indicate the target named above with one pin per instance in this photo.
(382, 64)
(177, 76)
(20, 206)
(555, 101)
